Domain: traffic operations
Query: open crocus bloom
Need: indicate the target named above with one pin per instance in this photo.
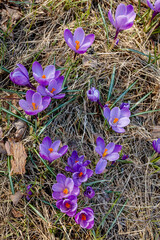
(109, 152)
(34, 103)
(49, 151)
(53, 89)
(64, 187)
(85, 218)
(20, 76)
(68, 205)
(117, 118)
(78, 42)
(81, 174)
(124, 18)
(44, 77)
(156, 145)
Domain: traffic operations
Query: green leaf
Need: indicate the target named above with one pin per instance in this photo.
(111, 84)
(140, 113)
(104, 22)
(66, 76)
(141, 100)
(37, 212)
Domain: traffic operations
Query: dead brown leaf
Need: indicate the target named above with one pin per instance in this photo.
(155, 132)
(16, 213)
(2, 148)
(16, 197)
(89, 61)
(20, 129)
(17, 150)
(1, 133)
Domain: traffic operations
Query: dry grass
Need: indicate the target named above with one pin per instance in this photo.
(133, 188)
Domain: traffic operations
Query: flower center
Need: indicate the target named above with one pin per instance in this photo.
(35, 107)
(105, 152)
(83, 217)
(50, 149)
(67, 205)
(53, 89)
(43, 76)
(80, 174)
(76, 161)
(65, 191)
(115, 120)
(77, 44)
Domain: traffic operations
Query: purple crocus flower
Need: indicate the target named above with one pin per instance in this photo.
(53, 89)
(90, 193)
(64, 187)
(49, 151)
(78, 42)
(68, 205)
(109, 152)
(34, 103)
(29, 193)
(124, 18)
(93, 94)
(156, 145)
(125, 105)
(124, 157)
(85, 218)
(117, 118)
(156, 7)
(44, 77)
(20, 76)
(81, 174)
(73, 160)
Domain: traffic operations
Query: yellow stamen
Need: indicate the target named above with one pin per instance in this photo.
(115, 120)
(83, 217)
(53, 89)
(35, 107)
(68, 205)
(105, 152)
(50, 149)
(80, 174)
(77, 44)
(65, 191)
(43, 76)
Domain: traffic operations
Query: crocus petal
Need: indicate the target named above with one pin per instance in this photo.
(115, 113)
(37, 99)
(56, 145)
(37, 69)
(46, 101)
(23, 70)
(57, 74)
(69, 39)
(29, 95)
(110, 147)
(42, 90)
(118, 129)
(89, 173)
(54, 156)
(125, 112)
(61, 178)
(100, 146)
(120, 22)
(150, 5)
(59, 96)
(121, 10)
(107, 112)
(69, 183)
(49, 72)
(112, 157)
(91, 224)
(89, 39)
(111, 18)
(24, 104)
(47, 142)
(56, 195)
(123, 122)
(157, 6)
(58, 187)
(63, 150)
(79, 35)
(101, 165)
(117, 148)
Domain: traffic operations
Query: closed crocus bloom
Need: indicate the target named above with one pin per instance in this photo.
(34, 103)
(29, 193)
(90, 193)
(68, 205)
(81, 174)
(78, 42)
(85, 218)
(117, 118)
(156, 7)
(109, 152)
(20, 76)
(125, 105)
(53, 89)
(124, 18)
(156, 145)
(44, 77)
(93, 94)
(64, 187)
(49, 151)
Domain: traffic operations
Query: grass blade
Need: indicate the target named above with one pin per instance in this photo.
(66, 76)
(140, 113)
(104, 22)
(37, 212)
(141, 100)
(111, 84)
(136, 51)
(10, 178)
(45, 163)
(124, 93)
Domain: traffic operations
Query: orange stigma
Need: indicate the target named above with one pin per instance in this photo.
(83, 217)
(65, 191)
(50, 149)
(67, 205)
(105, 152)
(115, 120)
(76, 161)
(35, 107)
(53, 89)
(80, 174)
(43, 76)
(77, 44)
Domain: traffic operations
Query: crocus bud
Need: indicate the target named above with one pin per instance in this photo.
(20, 76)
(93, 94)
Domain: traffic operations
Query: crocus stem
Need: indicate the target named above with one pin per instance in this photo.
(75, 54)
(114, 41)
(31, 86)
(100, 104)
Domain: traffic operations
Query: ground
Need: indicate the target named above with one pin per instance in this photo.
(126, 204)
